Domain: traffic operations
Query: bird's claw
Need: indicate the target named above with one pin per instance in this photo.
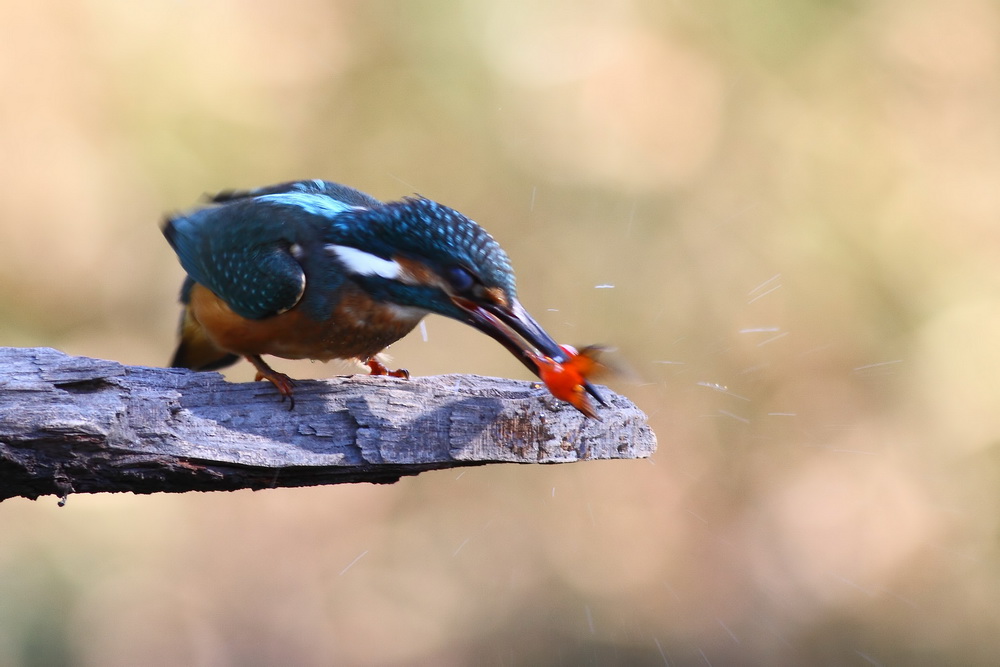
(377, 368)
(281, 382)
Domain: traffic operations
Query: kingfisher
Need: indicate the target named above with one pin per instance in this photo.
(317, 270)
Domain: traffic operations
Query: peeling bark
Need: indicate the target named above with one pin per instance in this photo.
(81, 425)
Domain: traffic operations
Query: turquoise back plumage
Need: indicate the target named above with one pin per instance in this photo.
(262, 251)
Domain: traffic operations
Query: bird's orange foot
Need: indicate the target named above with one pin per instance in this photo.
(281, 382)
(376, 368)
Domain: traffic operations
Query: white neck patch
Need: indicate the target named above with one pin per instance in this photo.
(363, 263)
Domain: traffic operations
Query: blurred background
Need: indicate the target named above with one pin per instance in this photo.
(783, 214)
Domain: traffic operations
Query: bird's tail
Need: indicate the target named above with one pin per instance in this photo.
(196, 351)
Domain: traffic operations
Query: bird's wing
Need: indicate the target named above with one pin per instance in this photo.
(245, 259)
(249, 248)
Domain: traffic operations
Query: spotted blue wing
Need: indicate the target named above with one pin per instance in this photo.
(244, 258)
(249, 248)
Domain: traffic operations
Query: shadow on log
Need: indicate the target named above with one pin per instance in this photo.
(81, 425)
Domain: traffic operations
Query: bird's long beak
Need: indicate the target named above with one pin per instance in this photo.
(518, 331)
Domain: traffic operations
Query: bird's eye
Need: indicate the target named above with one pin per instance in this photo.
(459, 278)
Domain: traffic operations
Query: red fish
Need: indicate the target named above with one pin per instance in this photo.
(566, 379)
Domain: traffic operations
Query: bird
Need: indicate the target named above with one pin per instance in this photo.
(312, 269)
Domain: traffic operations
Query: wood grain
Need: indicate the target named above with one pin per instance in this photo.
(81, 425)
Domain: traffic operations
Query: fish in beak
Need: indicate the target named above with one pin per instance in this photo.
(562, 368)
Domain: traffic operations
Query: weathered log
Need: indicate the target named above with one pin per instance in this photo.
(82, 425)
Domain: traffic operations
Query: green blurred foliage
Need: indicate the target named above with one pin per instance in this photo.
(795, 206)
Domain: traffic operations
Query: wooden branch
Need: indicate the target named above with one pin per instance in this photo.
(81, 425)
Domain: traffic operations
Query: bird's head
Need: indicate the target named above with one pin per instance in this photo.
(417, 253)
